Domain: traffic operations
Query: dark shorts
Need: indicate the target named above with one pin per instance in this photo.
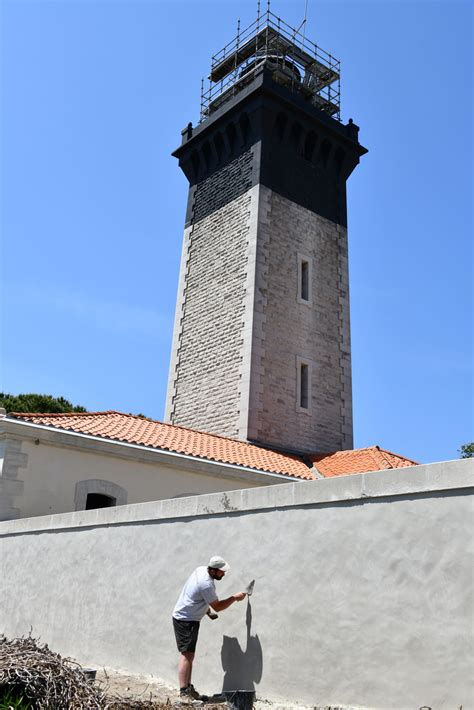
(186, 633)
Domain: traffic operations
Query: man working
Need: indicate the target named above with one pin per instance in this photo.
(197, 595)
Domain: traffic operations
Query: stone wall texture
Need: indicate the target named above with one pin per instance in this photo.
(204, 383)
(240, 327)
(368, 601)
(286, 329)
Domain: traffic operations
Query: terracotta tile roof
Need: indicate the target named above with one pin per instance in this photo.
(372, 458)
(132, 429)
(148, 432)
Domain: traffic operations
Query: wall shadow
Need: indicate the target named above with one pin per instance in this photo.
(242, 668)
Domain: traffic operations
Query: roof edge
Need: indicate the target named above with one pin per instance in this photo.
(374, 447)
(151, 449)
(21, 415)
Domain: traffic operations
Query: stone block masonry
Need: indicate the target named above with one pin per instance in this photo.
(261, 348)
(286, 329)
(241, 327)
(204, 384)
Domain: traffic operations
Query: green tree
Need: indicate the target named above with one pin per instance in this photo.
(467, 451)
(38, 403)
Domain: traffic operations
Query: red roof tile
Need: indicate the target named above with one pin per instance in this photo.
(132, 429)
(148, 432)
(372, 458)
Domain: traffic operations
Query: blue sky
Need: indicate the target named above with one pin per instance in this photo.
(93, 98)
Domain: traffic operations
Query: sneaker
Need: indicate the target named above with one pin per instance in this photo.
(189, 692)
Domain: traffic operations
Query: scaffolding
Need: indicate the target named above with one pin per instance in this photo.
(294, 61)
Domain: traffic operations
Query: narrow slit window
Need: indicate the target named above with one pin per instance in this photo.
(304, 280)
(304, 386)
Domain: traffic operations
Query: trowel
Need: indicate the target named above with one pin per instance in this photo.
(248, 591)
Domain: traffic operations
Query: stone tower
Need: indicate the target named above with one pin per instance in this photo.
(261, 347)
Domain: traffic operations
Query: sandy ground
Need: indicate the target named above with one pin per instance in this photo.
(152, 688)
(136, 686)
(149, 688)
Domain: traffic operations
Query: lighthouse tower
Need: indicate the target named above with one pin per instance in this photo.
(261, 348)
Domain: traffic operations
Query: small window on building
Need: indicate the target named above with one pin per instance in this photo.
(304, 279)
(303, 385)
(99, 500)
(97, 493)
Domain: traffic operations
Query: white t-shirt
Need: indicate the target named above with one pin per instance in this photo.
(198, 592)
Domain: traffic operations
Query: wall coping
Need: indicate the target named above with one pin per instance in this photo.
(426, 479)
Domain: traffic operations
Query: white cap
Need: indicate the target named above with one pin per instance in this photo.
(218, 563)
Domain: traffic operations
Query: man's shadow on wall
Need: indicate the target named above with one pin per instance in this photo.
(242, 669)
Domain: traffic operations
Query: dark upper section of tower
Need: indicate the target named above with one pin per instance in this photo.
(276, 94)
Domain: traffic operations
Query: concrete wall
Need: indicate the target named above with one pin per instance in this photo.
(44, 472)
(363, 590)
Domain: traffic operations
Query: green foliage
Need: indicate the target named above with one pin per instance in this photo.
(38, 403)
(11, 699)
(467, 451)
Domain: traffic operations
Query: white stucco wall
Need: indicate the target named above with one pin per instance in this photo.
(40, 468)
(363, 593)
(53, 472)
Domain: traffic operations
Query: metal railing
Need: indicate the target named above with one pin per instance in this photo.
(315, 71)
